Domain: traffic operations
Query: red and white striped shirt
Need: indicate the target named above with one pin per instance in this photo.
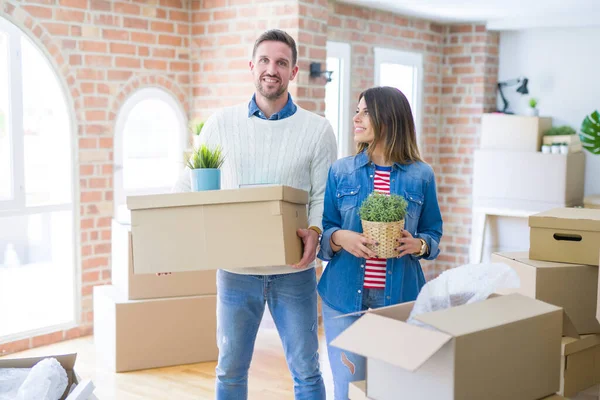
(375, 268)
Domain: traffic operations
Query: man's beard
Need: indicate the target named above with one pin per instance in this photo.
(269, 95)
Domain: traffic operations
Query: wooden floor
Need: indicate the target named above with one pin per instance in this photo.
(269, 376)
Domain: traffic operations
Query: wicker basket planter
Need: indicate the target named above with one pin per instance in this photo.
(384, 233)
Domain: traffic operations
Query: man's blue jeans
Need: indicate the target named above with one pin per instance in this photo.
(292, 299)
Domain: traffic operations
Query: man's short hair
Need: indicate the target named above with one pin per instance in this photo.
(277, 35)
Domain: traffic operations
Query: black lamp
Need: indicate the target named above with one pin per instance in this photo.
(521, 89)
(315, 71)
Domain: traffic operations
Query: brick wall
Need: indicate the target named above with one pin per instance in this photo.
(103, 51)
(469, 73)
(223, 35)
(198, 50)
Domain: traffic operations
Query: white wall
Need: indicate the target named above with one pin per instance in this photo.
(563, 67)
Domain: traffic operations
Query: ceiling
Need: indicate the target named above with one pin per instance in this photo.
(497, 14)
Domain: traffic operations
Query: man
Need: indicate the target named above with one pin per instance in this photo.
(271, 141)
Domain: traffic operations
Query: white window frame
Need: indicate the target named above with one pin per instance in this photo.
(15, 118)
(17, 205)
(413, 59)
(342, 51)
(120, 194)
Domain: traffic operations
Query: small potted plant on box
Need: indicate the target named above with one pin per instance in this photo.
(382, 218)
(204, 164)
(532, 111)
(196, 128)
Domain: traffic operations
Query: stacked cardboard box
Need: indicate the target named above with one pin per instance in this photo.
(509, 160)
(145, 320)
(561, 268)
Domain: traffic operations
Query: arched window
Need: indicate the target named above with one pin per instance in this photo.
(149, 146)
(37, 240)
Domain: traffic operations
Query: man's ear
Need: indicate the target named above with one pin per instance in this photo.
(294, 73)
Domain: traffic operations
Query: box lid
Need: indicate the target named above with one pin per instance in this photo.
(583, 219)
(572, 345)
(523, 258)
(243, 195)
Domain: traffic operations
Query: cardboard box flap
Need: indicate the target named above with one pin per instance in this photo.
(583, 219)
(491, 313)
(66, 360)
(394, 342)
(83, 390)
(244, 195)
(571, 345)
(523, 258)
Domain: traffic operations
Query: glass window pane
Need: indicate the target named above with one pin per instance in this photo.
(333, 94)
(150, 147)
(6, 180)
(46, 128)
(402, 77)
(36, 271)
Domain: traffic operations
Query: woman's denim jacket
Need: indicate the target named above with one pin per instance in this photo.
(349, 182)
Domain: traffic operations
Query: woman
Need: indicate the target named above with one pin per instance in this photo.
(387, 161)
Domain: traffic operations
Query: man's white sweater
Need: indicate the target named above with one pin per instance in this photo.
(296, 151)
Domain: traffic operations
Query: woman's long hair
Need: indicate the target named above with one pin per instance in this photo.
(393, 125)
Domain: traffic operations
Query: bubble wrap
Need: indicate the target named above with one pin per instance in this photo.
(47, 380)
(463, 285)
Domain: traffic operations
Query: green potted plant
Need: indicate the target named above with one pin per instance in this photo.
(204, 164)
(196, 129)
(532, 111)
(590, 133)
(558, 135)
(382, 218)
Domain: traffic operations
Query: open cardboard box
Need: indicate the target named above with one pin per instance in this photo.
(229, 229)
(570, 235)
(82, 390)
(573, 287)
(506, 347)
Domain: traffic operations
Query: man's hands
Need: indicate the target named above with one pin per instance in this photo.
(354, 243)
(310, 239)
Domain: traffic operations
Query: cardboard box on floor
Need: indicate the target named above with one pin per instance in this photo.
(570, 235)
(573, 287)
(237, 228)
(147, 286)
(580, 364)
(358, 391)
(505, 179)
(506, 347)
(140, 334)
(77, 389)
